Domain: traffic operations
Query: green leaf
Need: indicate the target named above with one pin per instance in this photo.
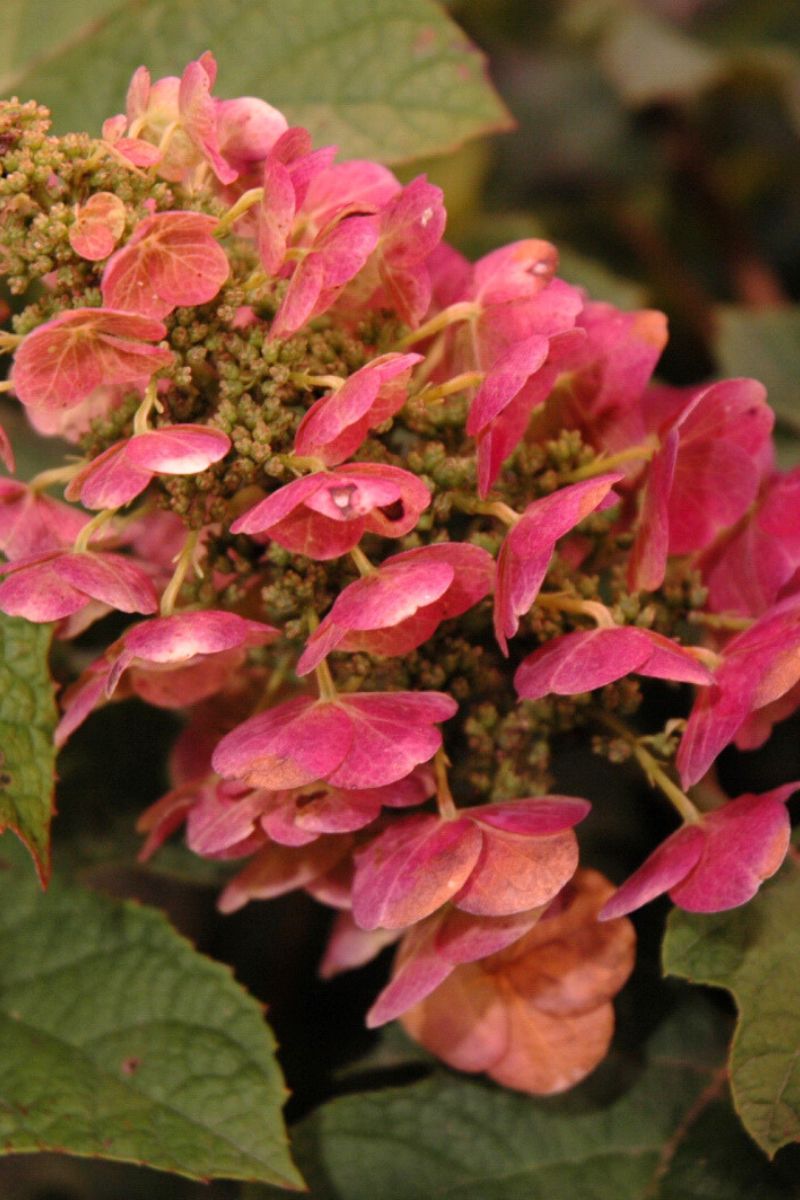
(649, 60)
(754, 952)
(119, 1040)
(766, 346)
(616, 1137)
(388, 79)
(27, 720)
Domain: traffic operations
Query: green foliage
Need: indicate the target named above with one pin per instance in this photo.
(27, 720)
(635, 1130)
(118, 1039)
(754, 952)
(388, 79)
(765, 345)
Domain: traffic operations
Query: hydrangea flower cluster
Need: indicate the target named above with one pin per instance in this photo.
(389, 522)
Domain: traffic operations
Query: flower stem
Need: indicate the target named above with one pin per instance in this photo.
(444, 797)
(465, 310)
(46, 479)
(149, 402)
(182, 565)
(10, 341)
(589, 608)
(644, 451)
(85, 536)
(654, 771)
(489, 508)
(459, 383)
(245, 202)
(302, 379)
(722, 621)
(365, 567)
(327, 688)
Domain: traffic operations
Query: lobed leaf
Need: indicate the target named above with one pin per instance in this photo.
(754, 952)
(27, 721)
(386, 79)
(118, 1040)
(643, 1131)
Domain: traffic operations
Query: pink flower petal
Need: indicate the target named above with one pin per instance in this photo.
(279, 869)
(393, 732)
(199, 114)
(746, 842)
(350, 947)
(99, 224)
(335, 426)
(171, 259)
(411, 869)
(62, 361)
(666, 866)
(516, 872)
(288, 746)
(528, 547)
(419, 970)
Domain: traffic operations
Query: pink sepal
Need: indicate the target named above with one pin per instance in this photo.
(528, 547)
(588, 659)
(170, 259)
(336, 425)
(324, 516)
(355, 741)
(49, 586)
(716, 864)
(62, 361)
(125, 469)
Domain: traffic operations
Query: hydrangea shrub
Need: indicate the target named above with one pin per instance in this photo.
(388, 523)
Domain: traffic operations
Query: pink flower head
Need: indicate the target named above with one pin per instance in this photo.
(400, 605)
(46, 587)
(99, 224)
(591, 658)
(704, 477)
(325, 515)
(125, 469)
(717, 863)
(170, 662)
(65, 359)
(528, 548)
(536, 1016)
(356, 741)
(758, 667)
(170, 259)
(491, 861)
(33, 523)
(336, 425)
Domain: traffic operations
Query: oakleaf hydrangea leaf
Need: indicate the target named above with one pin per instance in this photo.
(27, 720)
(118, 1040)
(449, 1137)
(386, 79)
(754, 952)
